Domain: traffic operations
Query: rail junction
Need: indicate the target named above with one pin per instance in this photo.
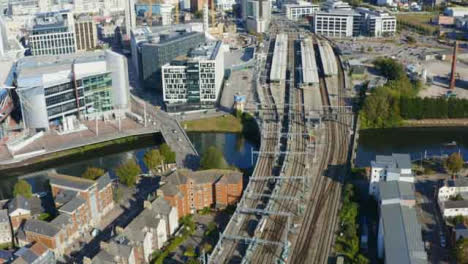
(288, 212)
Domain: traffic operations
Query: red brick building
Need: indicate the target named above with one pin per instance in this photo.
(21, 209)
(48, 234)
(190, 191)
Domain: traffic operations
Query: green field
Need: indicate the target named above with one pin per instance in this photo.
(225, 123)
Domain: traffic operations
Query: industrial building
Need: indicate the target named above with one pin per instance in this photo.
(194, 82)
(256, 14)
(300, 10)
(327, 57)
(399, 237)
(51, 34)
(153, 47)
(279, 61)
(309, 71)
(88, 85)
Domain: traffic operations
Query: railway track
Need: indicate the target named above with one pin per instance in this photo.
(321, 214)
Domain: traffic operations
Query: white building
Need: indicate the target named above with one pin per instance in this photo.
(195, 80)
(300, 10)
(330, 5)
(377, 23)
(337, 23)
(452, 188)
(52, 34)
(166, 14)
(130, 16)
(31, 7)
(225, 5)
(256, 14)
(9, 45)
(456, 11)
(83, 85)
(453, 208)
(384, 2)
(396, 167)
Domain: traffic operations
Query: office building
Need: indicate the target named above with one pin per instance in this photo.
(194, 81)
(52, 34)
(86, 33)
(300, 10)
(377, 23)
(256, 14)
(86, 85)
(153, 47)
(130, 16)
(399, 238)
(337, 23)
(330, 5)
(396, 167)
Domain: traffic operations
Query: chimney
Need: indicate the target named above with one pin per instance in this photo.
(454, 66)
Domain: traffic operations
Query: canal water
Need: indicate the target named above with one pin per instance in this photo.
(237, 152)
(418, 142)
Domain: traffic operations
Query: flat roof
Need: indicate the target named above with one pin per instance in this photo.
(280, 55)
(330, 66)
(309, 65)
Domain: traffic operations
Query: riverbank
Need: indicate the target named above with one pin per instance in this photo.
(220, 124)
(81, 153)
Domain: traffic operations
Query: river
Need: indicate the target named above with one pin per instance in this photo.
(237, 152)
(415, 141)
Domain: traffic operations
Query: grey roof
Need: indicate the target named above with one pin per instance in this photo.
(40, 227)
(461, 231)
(103, 257)
(403, 160)
(455, 204)
(4, 216)
(5, 254)
(29, 256)
(396, 189)
(103, 181)
(459, 182)
(70, 181)
(72, 205)
(147, 218)
(162, 206)
(395, 162)
(64, 196)
(402, 235)
(32, 204)
(111, 250)
(61, 220)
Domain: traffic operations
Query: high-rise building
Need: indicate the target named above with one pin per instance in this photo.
(52, 34)
(86, 33)
(194, 81)
(86, 85)
(337, 23)
(130, 16)
(152, 48)
(256, 14)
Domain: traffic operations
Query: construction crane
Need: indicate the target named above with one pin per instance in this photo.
(454, 66)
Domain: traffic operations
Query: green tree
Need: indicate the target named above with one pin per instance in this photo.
(167, 153)
(128, 172)
(93, 173)
(117, 194)
(361, 259)
(153, 159)
(45, 217)
(22, 188)
(213, 158)
(457, 197)
(460, 251)
(458, 219)
(390, 68)
(454, 163)
(190, 252)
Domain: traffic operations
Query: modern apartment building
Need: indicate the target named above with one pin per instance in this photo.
(152, 48)
(86, 33)
(300, 10)
(86, 85)
(337, 23)
(376, 23)
(194, 81)
(256, 14)
(51, 34)
(191, 191)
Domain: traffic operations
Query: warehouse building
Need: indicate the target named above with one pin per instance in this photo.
(88, 85)
(194, 82)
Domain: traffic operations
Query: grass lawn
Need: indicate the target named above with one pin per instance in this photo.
(225, 123)
(418, 22)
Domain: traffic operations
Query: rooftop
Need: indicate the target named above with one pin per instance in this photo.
(399, 161)
(309, 65)
(135, 230)
(449, 204)
(208, 51)
(402, 235)
(71, 182)
(72, 205)
(50, 20)
(279, 62)
(330, 66)
(40, 227)
(103, 181)
(396, 190)
(32, 204)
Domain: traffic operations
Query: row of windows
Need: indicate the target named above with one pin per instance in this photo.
(57, 89)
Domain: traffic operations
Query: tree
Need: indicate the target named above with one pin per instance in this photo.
(93, 173)
(213, 158)
(153, 159)
(460, 251)
(361, 259)
(22, 188)
(454, 163)
(167, 153)
(45, 217)
(457, 197)
(117, 194)
(128, 172)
